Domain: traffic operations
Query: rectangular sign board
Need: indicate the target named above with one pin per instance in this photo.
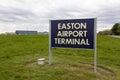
(73, 33)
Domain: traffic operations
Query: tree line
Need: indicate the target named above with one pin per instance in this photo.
(115, 30)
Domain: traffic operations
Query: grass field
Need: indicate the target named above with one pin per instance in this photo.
(19, 54)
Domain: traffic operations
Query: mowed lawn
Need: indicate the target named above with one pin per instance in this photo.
(19, 55)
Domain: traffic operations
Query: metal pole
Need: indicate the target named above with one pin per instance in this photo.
(95, 60)
(50, 48)
(95, 45)
(50, 56)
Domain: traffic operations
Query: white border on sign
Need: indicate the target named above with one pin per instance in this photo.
(73, 47)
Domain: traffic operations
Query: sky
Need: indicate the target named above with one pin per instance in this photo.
(35, 14)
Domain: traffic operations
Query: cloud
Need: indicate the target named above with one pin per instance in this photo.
(35, 14)
(15, 15)
(108, 16)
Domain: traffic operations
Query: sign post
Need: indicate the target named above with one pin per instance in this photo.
(50, 48)
(73, 33)
(95, 44)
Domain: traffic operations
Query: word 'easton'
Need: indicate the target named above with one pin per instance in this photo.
(72, 25)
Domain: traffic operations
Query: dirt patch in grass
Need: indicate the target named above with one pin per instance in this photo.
(30, 64)
(105, 72)
(87, 67)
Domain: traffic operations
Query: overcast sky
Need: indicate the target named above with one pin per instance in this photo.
(35, 14)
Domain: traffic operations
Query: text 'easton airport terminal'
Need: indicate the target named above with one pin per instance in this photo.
(68, 33)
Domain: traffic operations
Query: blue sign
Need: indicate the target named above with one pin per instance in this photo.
(73, 33)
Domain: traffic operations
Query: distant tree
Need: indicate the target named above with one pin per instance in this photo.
(116, 29)
(105, 32)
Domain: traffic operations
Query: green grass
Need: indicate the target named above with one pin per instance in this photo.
(19, 54)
